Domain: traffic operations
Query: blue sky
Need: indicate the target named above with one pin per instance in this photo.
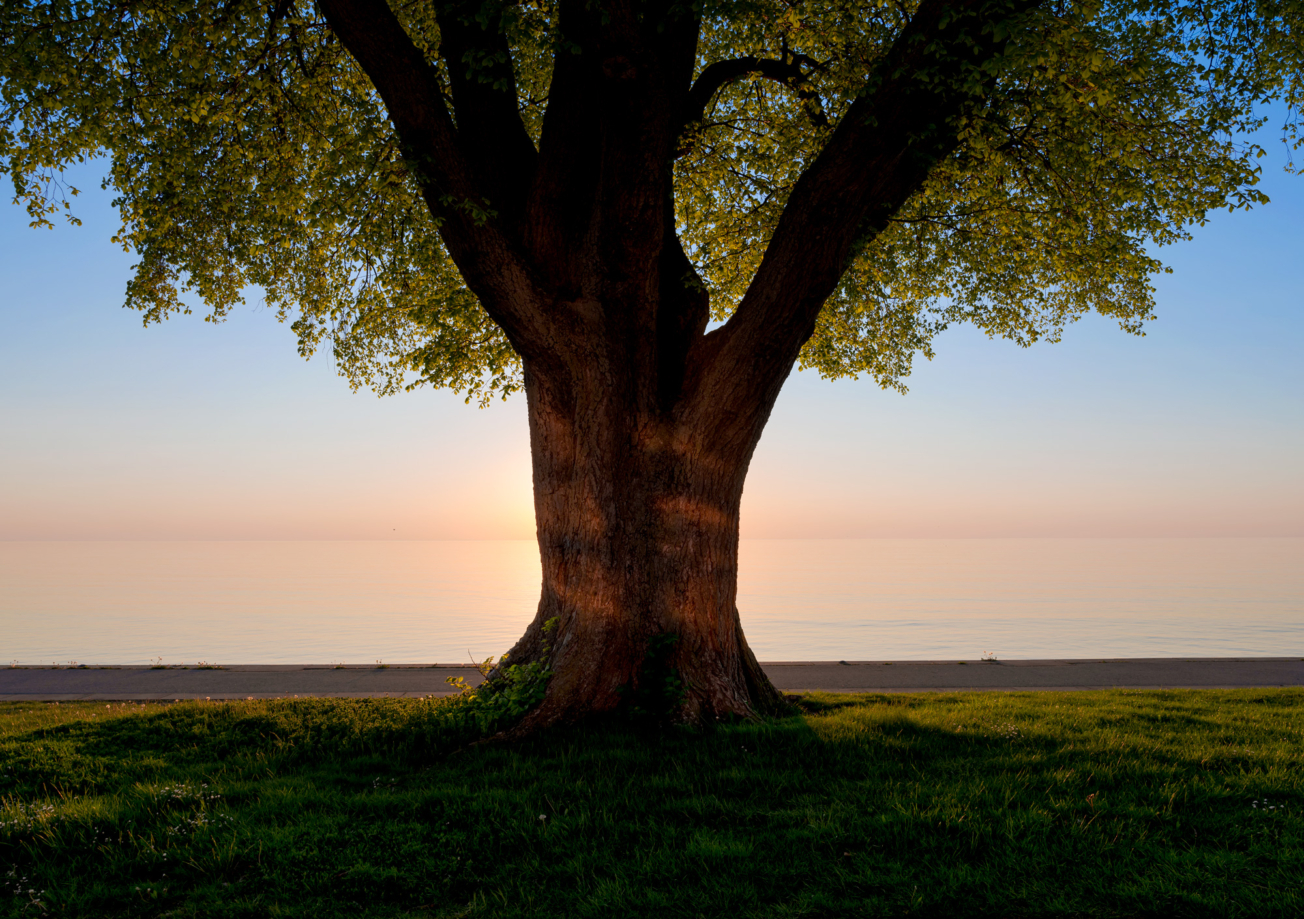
(194, 430)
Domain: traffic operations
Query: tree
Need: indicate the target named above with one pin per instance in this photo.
(643, 213)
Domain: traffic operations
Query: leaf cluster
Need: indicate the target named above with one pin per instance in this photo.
(1108, 130)
(248, 151)
(507, 691)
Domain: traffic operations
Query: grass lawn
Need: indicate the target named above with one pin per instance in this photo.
(1180, 803)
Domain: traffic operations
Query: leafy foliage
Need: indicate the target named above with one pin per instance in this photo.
(508, 691)
(1107, 132)
(248, 149)
(660, 692)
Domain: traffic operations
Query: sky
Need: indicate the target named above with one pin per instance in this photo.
(191, 430)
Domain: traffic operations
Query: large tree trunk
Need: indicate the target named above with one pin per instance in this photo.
(642, 424)
(637, 515)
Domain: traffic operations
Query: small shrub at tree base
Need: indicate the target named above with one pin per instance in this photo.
(507, 691)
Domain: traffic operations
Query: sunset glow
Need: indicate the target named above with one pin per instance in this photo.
(195, 431)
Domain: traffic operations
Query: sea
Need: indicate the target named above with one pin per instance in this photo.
(800, 600)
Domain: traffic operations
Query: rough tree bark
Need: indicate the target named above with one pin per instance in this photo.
(637, 509)
(642, 424)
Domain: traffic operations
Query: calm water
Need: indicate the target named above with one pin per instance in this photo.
(873, 599)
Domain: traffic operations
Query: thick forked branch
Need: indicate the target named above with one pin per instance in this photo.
(880, 154)
(618, 80)
(682, 315)
(720, 74)
(560, 212)
(489, 126)
(409, 87)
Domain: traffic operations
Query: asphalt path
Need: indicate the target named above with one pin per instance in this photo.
(57, 684)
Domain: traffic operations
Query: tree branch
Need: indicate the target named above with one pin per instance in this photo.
(936, 72)
(716, 76)
(409, 87)
(493, 137)
(598, 203)
(569, 161)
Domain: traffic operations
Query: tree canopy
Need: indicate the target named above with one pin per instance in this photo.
(247, 148)
(560, 196)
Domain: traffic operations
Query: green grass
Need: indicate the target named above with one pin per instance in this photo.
(1182, 803)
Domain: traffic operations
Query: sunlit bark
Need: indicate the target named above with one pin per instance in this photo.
(642, 424)
(638, 533)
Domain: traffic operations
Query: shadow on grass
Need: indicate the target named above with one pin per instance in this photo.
(955, 805)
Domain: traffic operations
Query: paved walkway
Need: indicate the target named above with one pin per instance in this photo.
(412, 680)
